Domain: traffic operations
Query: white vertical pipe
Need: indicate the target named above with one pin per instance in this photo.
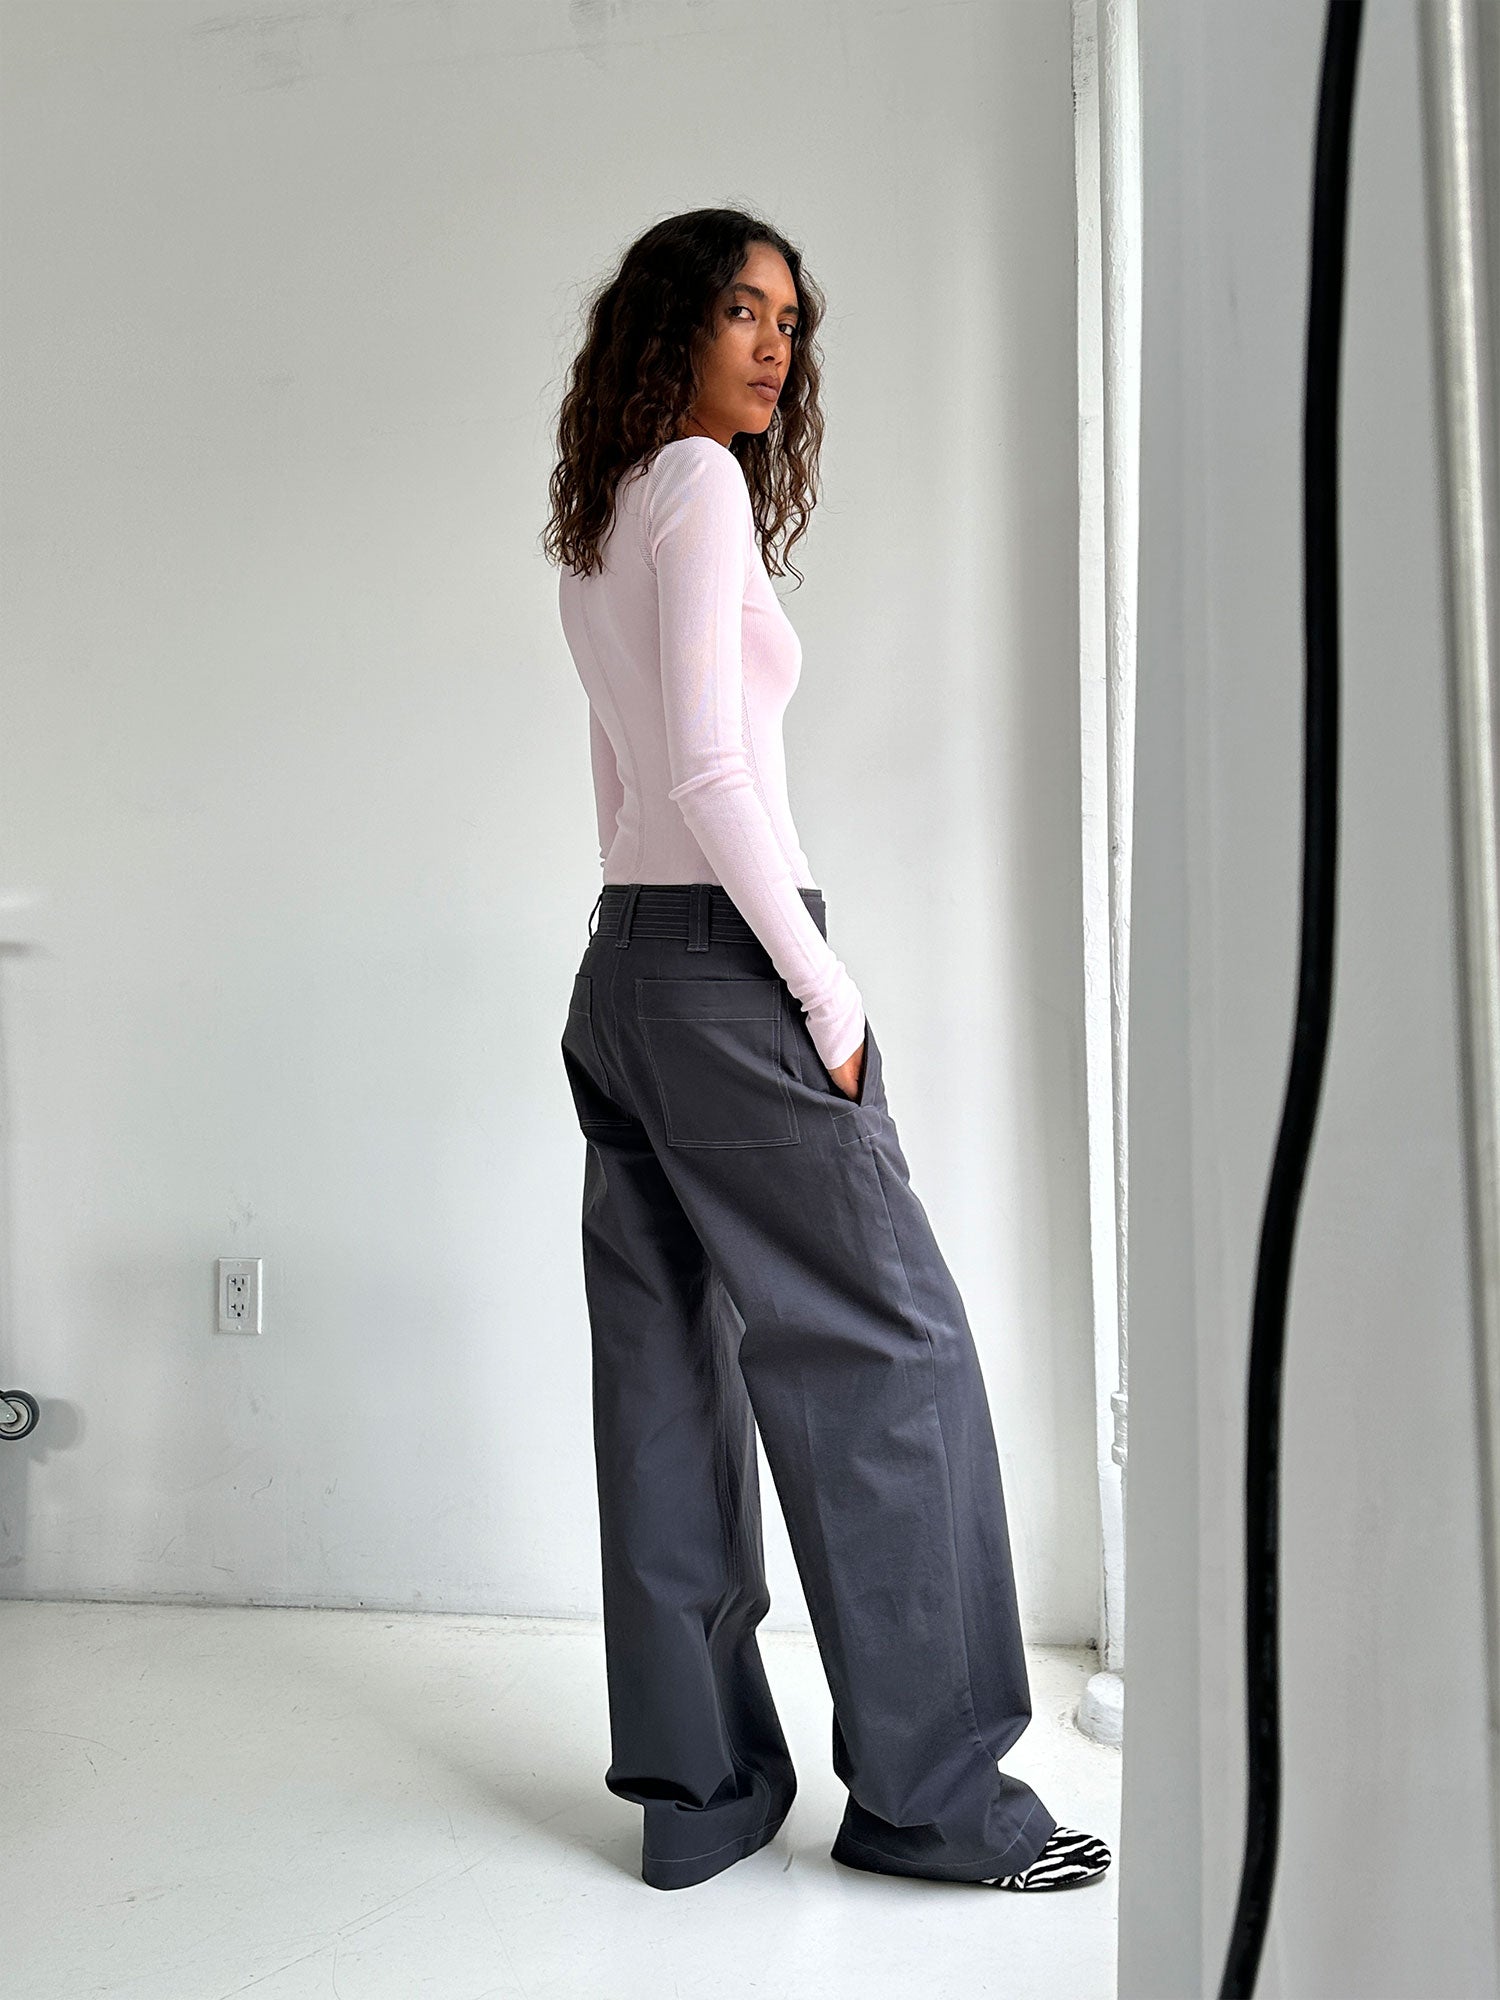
(1459, 91)
(1108, 171)
(1120, 183)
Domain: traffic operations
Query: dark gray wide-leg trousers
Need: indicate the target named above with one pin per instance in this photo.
(754, 1255)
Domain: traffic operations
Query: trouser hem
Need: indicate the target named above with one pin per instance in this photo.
(683, 1871)
(857, 1854)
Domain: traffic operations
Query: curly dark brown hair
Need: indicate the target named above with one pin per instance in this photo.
(633, 382)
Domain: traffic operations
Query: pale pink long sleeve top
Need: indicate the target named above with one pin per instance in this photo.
(689, 661)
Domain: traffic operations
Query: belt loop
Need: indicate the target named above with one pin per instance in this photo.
(627, 911)
(594, 912)
(698, 916)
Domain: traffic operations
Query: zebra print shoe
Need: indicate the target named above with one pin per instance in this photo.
(1068, 1859)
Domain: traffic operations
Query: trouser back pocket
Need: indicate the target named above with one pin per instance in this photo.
(588, 1079)
(714, 1046)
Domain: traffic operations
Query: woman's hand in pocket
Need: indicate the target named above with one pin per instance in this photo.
(847, 1075)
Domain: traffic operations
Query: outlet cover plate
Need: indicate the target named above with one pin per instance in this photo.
(239, 1294)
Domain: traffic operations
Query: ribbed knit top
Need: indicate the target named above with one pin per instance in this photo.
(689, 661)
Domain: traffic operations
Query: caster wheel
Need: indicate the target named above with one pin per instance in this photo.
(19, 1413)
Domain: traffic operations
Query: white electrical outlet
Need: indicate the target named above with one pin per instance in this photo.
(239, 1294)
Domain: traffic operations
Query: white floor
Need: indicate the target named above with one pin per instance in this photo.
(200, 1803)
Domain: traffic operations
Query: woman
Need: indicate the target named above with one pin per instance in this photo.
(753, 1251)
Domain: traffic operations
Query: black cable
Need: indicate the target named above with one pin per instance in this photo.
(1320, 801)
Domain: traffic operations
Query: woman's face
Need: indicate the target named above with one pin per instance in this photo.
(755, 325)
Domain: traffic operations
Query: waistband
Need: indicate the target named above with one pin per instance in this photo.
(696, 911)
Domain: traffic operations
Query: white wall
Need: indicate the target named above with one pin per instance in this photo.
(1383, 1884)
(295, 765)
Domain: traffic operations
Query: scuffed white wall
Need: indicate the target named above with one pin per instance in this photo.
(294, 762)
(1383, 1885)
